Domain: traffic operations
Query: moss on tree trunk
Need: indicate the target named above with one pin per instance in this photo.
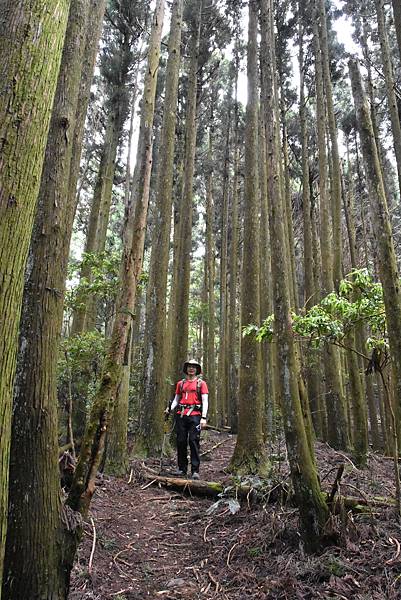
(155, 367)
(249, 453)
(30, 51)
(35, 431)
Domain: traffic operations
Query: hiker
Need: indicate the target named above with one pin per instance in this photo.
(191, 400)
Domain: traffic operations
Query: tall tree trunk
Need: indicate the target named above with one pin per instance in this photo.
(155, 349)
(390, 86)
(383, 233)
(249, 453)
(397, 22)
(134, 236)
(117, 454)
(338, 435)
(180, 318)
(84, 317)
(93, 31)
(34, 429)
(313, 358)
(233, 328)
(210, 266)
(335, 156)
(313, 510)
(222, 389)
(30, 53)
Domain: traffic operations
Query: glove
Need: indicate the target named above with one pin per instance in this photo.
(203, 423)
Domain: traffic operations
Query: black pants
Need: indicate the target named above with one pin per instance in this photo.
(188, 429)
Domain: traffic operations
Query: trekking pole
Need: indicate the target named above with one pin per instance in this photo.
(166, 434)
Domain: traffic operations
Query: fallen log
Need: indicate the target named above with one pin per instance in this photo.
(212, 489)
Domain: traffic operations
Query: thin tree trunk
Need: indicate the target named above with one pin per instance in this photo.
(180, 318)
(210, 265)
(397, 22)
(155, 349)
(94, 29)
(233, 328)
(266, 308)
(389, 79)
(338, 434)
(335, 162)
(382, 228)
(83, 485)
(222, 390)
(313, 372)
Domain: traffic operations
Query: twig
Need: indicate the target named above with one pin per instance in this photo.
(93, 548)
(216, 583)
(364, 496)
(393, 560)
(204, 533)
(230, 553)
(214, 447)
(130, 476)
(148, 484)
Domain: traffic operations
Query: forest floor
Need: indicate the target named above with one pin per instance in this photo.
(152, 542)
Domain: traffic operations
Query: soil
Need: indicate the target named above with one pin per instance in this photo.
(152, 542)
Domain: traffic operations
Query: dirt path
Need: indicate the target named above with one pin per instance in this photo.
(155, 543)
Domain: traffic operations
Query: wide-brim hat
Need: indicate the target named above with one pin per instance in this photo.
(193, 363)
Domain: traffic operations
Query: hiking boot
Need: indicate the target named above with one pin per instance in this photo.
(195, 475)
(179, 473)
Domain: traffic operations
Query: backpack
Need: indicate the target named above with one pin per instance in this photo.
(198, 389)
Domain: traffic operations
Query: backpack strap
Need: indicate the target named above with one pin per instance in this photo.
(198, 390)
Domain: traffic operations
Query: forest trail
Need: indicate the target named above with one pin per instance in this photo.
(157, 543)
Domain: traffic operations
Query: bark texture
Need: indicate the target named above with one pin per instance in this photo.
(390, 84)
(309, 499)
(30, 52)
(35, 532)
(134, 237)
(397, 22)
(249, 453)
(155, 348)
(180, 303)
(338, 434)
(382, 229)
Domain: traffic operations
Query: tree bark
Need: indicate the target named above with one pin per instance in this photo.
(92, 447)
(389, 79)
(210, 266)
(34, 429)
(332, 126)
(222, 381)
(397, 23)
(233, 326)
(309, 499)
(338, 434)
(180, 304)
(249, 453)
(30, 53)
(155, 349)
(383, 233)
